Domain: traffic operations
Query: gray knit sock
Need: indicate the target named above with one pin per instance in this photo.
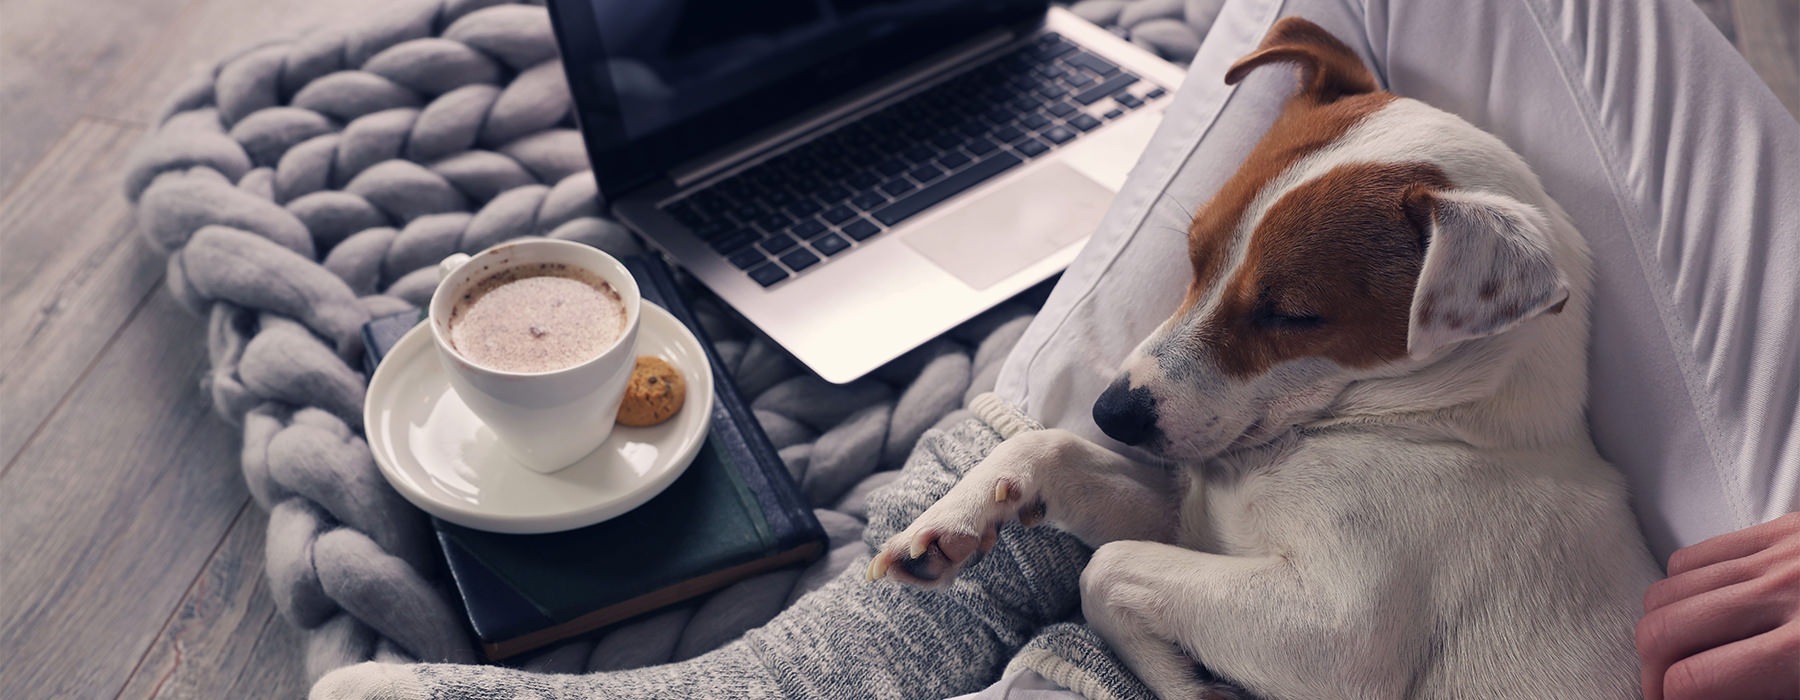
(851, 638)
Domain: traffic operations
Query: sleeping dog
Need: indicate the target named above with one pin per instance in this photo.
(1372, 400)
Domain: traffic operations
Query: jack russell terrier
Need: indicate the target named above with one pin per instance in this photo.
(1374, 393)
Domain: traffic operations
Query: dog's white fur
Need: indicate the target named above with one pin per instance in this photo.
(1440, 526)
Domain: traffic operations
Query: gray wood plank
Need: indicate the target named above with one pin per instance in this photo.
(1766, 32)
(57, 57)
(276, 666)
(111, 512)
(122, 58)
(226, 639)
(72, 272)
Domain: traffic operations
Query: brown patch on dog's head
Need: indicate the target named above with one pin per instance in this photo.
(1338, 91)
(1330, 273)
(1298, 133)
(1342, 250)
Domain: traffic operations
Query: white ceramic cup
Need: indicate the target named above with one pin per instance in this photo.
(547, 420)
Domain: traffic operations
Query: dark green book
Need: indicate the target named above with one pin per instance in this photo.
(733, 514)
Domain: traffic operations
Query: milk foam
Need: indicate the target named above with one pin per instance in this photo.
(536, 318)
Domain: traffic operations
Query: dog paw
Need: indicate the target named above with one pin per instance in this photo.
(948, 535)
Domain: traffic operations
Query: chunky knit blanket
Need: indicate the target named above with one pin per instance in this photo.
(302, 187)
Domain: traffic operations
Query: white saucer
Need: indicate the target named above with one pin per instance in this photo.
(440, 457)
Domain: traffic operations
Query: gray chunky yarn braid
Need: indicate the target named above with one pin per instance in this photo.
(303, 187)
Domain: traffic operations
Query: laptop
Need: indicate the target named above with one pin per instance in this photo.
(855, 177)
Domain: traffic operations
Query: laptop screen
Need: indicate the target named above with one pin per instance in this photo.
(657, 82)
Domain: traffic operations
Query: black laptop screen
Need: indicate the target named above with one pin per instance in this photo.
(657, 82)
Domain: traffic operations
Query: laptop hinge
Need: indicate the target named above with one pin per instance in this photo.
(774, 137)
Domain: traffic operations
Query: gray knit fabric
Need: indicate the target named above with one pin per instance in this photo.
(1074, 655)
(302, 187)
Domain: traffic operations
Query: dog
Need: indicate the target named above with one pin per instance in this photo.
(1376, 479)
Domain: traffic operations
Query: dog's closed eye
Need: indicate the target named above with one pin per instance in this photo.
(1288, 320)
(1280, 311)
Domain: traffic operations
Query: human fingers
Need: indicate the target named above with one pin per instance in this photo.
(1707, 578)
(1764, 667)
(1695, 624)
(1733, 545)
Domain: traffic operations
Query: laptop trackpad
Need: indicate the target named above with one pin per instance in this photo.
(1004, 230)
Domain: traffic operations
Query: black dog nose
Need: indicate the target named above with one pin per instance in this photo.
(1126, 414)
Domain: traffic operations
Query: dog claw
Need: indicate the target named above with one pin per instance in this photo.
(1002, 491)
(878, 568)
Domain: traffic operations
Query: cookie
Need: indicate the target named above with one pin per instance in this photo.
(654, 394)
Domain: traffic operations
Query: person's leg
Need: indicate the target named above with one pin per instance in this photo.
(851, 638)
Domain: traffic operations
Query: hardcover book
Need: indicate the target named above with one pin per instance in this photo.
(733, 514)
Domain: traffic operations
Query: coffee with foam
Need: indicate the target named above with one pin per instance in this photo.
(538, 317)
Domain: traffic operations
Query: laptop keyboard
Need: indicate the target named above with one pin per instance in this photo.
(801, 208)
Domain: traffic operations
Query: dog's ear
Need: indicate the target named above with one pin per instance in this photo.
(1329, 70)
(1488, 267)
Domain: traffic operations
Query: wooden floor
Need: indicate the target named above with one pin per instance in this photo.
(130, 551)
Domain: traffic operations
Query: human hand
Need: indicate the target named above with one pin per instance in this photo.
(1725, 624)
